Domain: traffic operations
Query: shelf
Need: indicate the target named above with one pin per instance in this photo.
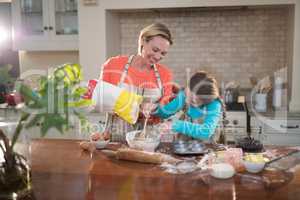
(62, 32)
(32, 13)
(74, 12)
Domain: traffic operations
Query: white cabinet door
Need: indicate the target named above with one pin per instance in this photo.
(282, 132)
(45, 25)
(281, 139)
(290, 126)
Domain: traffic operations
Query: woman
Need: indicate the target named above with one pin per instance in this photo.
(198, 109)
(141, 74)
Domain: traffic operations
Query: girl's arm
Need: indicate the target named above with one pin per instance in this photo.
(165, 111)
(201, 131)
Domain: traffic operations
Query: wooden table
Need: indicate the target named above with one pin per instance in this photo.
(61, 170)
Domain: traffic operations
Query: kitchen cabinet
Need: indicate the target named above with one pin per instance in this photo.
(235, 125)
(276, 131)
(45, 25)
(281, 132)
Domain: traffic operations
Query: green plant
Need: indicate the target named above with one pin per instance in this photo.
(5, 76)
(58, 96)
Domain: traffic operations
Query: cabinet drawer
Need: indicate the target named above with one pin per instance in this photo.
(236, 119)
(282, 126)
(282, 139)
(232, 134)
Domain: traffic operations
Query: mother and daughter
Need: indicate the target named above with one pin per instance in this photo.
(194, 111)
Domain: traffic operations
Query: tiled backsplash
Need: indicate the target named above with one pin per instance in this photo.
(231, 43)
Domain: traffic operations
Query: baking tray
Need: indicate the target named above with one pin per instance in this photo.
(192, 147)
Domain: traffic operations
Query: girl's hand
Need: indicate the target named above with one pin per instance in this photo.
(87, 146)
(165, 128)
(148, 108)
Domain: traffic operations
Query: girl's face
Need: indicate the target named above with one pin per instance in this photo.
(155, 50)
(193, 99)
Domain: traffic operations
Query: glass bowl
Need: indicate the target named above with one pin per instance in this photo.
(149, 143)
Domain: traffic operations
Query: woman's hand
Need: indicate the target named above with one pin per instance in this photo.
(147, 108)
(165, 128)
(100, 136)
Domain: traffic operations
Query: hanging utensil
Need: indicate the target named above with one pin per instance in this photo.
(253, 80)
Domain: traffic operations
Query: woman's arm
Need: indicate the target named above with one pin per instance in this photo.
(201, 131)
(104, 73)
(112, 69)
(165, 111)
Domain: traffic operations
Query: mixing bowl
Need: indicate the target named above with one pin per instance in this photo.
(149, 143)
(254, 167)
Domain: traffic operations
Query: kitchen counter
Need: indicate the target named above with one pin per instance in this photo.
(270, 113)
(276, 114)
(61, 170)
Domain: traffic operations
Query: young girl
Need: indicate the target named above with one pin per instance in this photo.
(200, 107)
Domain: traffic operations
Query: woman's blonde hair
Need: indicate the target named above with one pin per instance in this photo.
(156, 29)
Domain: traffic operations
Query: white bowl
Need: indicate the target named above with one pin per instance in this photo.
(186, 166)
(222, 170)
(254, 167)
(146, 144)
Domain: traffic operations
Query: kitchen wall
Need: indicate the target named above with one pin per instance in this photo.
(46, 59)
(295, 94)
(33, 64)
(232, 43)
(7, 55)
(97, 42)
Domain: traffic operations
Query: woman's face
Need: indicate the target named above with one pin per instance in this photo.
(155, 50)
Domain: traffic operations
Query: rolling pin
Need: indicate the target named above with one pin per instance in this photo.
(140, 156)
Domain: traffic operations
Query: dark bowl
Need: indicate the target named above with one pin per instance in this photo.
(249, 144)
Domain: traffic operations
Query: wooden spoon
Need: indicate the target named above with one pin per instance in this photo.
(143, 134)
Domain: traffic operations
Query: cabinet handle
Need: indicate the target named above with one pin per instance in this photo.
(45, 28)
(50, 28)
(39, 124)
(289, 127)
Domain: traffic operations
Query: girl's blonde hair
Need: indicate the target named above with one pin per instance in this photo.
(156, 29)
